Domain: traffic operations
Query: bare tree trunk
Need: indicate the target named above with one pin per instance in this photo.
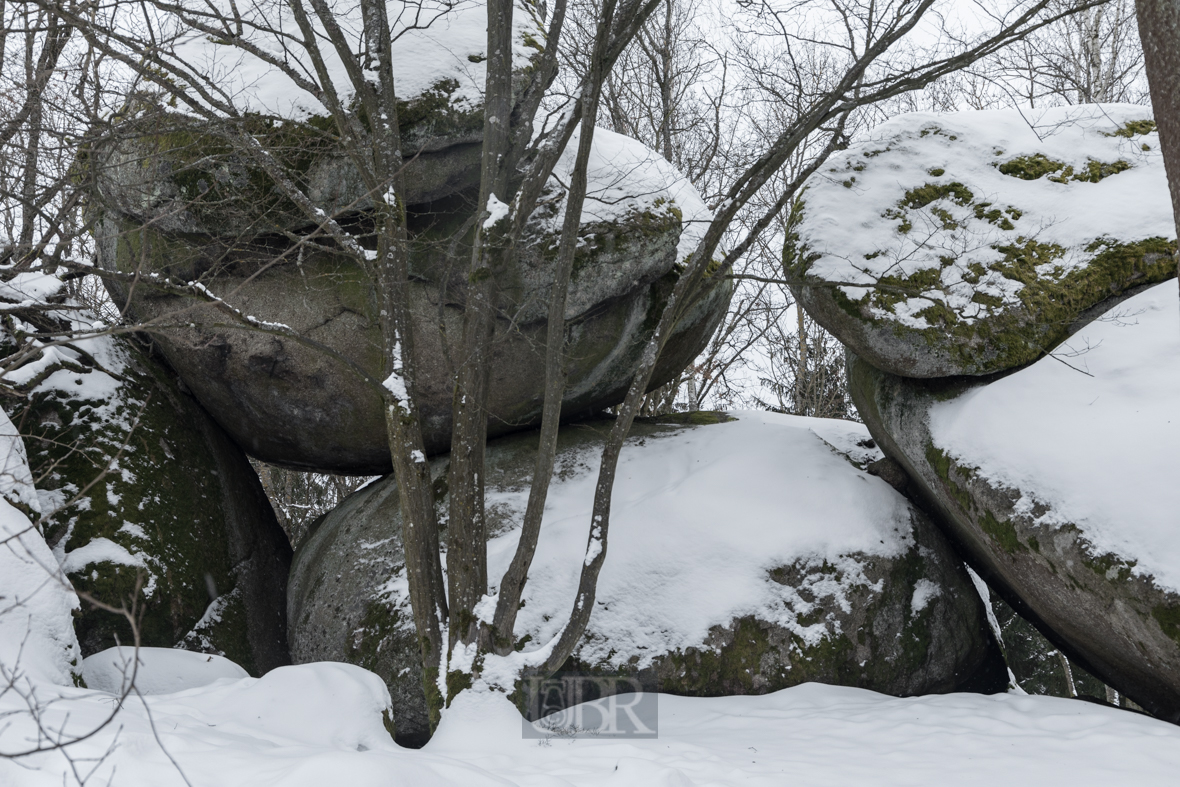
(1065, 668)
(665, 77)
(1159, 30)
(467, 576)
(801, 377)
(32, 146)
(513, 582)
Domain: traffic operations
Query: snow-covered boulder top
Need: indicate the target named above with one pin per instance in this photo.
(973, 242)
(439, 50)
(168, 166)
(1060, 480)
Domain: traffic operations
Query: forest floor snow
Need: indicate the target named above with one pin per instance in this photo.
(321, 724)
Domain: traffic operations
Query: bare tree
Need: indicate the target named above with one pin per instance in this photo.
(1090, 57)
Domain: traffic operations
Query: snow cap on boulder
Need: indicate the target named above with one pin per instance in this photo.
(973, 242)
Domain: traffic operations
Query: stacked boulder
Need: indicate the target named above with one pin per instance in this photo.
(749, 554)
(997, 281)
(173, 200)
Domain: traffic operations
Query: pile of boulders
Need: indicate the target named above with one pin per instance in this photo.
(997, 284)
(749, 552)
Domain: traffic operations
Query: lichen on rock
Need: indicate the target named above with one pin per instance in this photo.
(994, 255)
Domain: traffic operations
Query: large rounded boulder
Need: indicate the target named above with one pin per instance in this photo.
(147, 503)
(301, 402)
(747, 554)
(1058, 481)
(974, 242)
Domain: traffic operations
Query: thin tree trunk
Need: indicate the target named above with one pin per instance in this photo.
(513, 582)
(801, 375)
(467, 575)
(666, 84)
(1159, 30)
(32, 147)
(1065, 668)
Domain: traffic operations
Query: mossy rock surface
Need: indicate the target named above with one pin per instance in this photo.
(908, 622)
(143, 485)
(971, 243)
(293, 404)
(1110, 617)
(180, 175)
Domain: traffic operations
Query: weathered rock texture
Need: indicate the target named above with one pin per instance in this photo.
(966, 244)
(302, 403)
(139, 479)
(348, 599)
(1116, 622)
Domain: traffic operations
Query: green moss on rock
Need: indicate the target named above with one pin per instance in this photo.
(1133, 128)
(1040, 165)
(127, 459)
(1168, 616)
(1002, 531)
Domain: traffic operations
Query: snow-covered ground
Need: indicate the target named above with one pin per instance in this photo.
(320, 724)
(1093, 430)
(197, 722)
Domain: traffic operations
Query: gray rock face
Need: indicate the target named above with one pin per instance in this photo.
(178, 502)
(172, 172)
(1115, 621)
(906, 623)
(964, 244)
(303, 405)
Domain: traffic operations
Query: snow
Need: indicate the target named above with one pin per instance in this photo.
(698, 519)
(16, 479)
(1097, 447)
(320, 724)
(436, 41)
(925, 591)
(160, 670)
(848, 221)
(625, 176)
(395, 383)
(496, 209)
(30, 287)
(37, 640)
(100, 550)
